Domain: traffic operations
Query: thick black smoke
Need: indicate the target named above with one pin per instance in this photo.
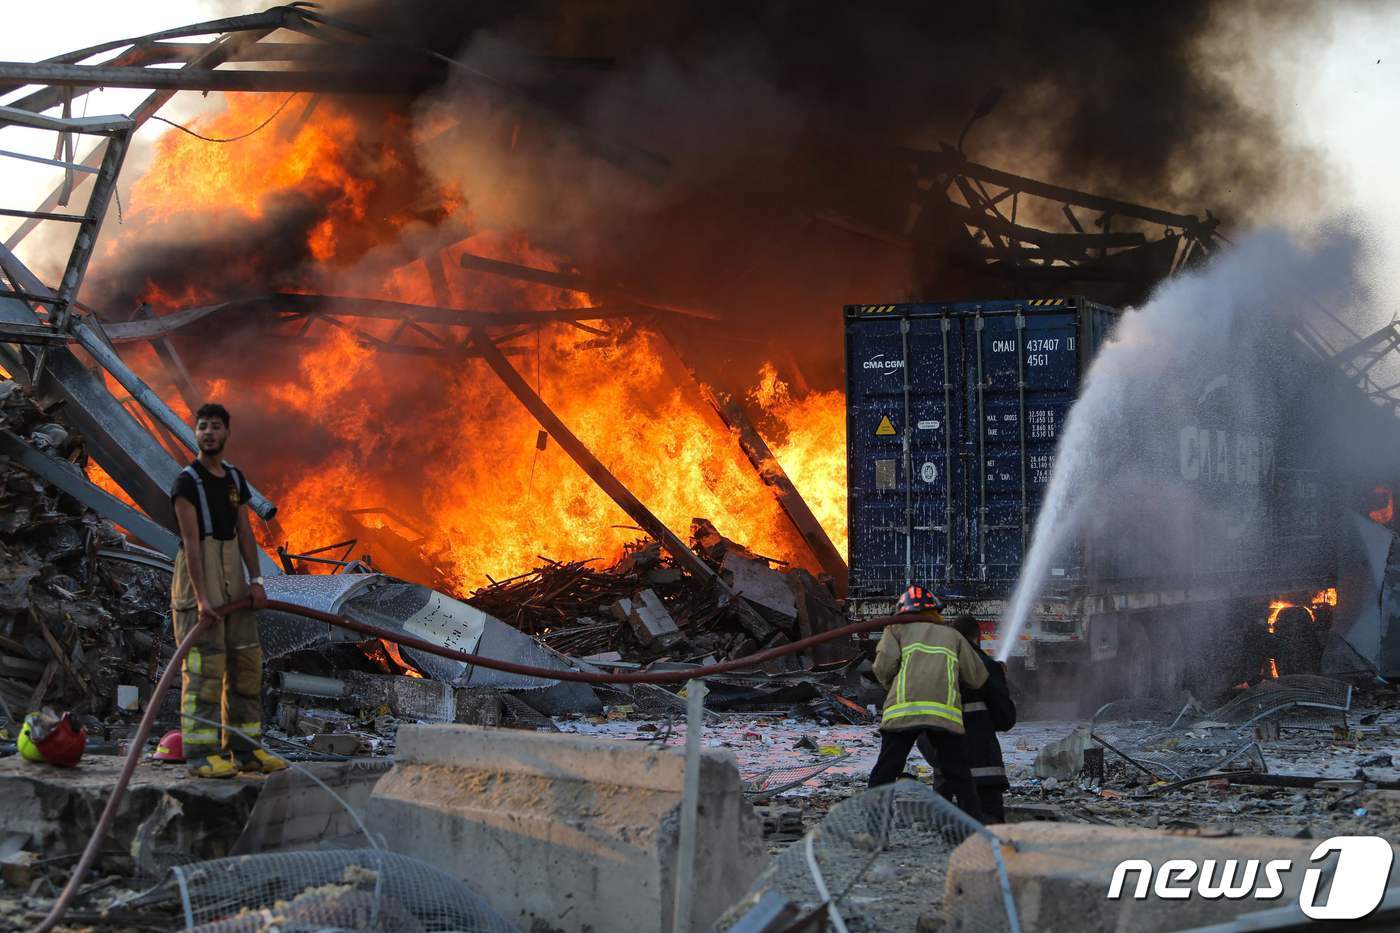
(773, 117)
(777, 205)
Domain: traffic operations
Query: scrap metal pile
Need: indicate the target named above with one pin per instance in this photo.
(75, 624)
(645, 607)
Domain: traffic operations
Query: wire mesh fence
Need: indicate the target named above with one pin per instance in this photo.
(1175, 741)
(879, 861)
(341, 889)
(773, 781)
(1309, 694)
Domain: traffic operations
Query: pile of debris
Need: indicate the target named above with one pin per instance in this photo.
(78, 629)
(645, 607)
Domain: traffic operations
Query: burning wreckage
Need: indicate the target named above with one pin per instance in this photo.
(401, 777)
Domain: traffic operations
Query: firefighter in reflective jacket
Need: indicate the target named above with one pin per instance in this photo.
(987, 710)
(924, 664)
(222, 676)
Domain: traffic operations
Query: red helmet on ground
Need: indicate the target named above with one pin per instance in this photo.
(171, 747)
(54, 738)
(917, 599)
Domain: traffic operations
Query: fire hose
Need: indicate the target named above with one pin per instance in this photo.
(143, 731)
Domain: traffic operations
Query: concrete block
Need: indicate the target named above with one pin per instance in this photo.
(647, 616)
(1061, 874)
(479, 707)
(1063, 758)
(335, 743)
(295, 812)
(818, 612)
(407, 697)
(570, 831)
(759, 584)
(17, 869)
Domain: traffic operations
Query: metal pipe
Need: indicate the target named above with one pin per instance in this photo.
(70, 166)
(332, 306)
(95, 126)
(179, 374)
(311, 685)
(695, 691)
(770, 472)
(574, 283)
(379, 81)
(86, 240)
(69, 478)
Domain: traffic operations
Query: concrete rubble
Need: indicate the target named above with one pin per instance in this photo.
(650, 621)
(645, 607)
(66, 577)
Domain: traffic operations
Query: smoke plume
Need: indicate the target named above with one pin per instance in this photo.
(1207, 441)
(770, 119)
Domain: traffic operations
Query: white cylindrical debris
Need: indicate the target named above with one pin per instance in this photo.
(311, 685)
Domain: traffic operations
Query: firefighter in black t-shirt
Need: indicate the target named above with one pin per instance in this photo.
(222, 674)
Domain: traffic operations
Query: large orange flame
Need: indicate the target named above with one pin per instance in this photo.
(811, 447)
(1383, 514)
(438, 438)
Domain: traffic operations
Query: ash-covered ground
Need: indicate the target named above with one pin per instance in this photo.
(1351, 753)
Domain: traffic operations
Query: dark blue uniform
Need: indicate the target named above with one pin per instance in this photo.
(986, 711)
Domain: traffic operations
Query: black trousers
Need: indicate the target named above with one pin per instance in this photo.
(990, 794)
(952, 764)
(993, 807)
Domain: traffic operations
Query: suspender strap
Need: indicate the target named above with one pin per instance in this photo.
(237, 480)
(206, 523)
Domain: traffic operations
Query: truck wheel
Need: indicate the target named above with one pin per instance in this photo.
(1228, 650)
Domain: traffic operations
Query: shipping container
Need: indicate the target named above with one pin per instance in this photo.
(989, 385)
(954, 411)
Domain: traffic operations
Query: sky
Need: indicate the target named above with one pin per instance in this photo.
(34, 31)
(1332, 84)
(1346, 101)
(1334, 87)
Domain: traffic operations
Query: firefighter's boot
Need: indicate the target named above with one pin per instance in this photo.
(213, 766)
(260, 762)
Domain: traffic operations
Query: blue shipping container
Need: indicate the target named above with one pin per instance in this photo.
(953, 412)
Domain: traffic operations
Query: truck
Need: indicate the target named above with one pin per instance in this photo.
(954, 411)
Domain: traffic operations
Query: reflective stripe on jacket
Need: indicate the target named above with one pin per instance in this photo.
(924, 664)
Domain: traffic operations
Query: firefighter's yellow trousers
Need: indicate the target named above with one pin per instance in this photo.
(222, 675)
